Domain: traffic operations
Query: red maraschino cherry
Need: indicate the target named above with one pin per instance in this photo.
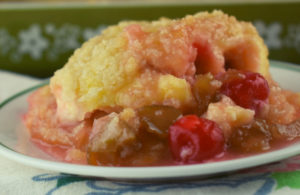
(247, 89)
(193, 139)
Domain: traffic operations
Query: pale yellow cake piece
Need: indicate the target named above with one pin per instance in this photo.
(142, 63)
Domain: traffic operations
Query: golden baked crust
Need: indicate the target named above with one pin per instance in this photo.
(133, 64)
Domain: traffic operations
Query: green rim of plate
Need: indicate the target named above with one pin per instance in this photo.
(285, 65)
(11, 98)
(6, 101)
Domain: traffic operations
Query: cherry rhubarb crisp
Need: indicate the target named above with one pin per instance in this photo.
(191, 90)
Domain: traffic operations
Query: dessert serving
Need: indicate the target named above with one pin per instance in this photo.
(167, 92)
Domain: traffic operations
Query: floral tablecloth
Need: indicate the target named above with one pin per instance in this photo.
(15, 178)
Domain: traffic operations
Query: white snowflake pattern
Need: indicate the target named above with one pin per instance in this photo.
(66, 38)
(90, 33)
(50, 28)
(7, 42)
(271, 33)
(32, 42)
(293, 37)
(53, 41)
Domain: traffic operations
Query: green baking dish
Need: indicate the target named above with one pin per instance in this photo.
(37, 38)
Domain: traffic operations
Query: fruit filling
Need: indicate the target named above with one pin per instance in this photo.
(224, 120)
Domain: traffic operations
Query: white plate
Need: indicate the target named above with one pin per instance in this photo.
(22, 151)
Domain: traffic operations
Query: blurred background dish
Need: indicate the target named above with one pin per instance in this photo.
(37, 37)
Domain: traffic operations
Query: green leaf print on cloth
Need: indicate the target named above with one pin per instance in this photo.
(62, 181)
(287, 179)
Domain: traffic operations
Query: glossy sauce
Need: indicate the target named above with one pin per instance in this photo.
(150, 145)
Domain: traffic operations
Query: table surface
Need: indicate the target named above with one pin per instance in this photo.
(278, 178)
